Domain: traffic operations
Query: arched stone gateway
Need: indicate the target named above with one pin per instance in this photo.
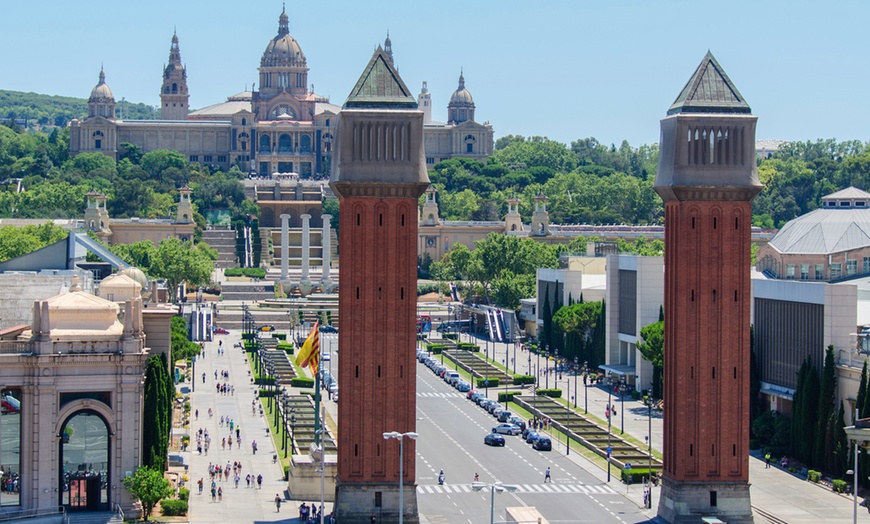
(84, 462)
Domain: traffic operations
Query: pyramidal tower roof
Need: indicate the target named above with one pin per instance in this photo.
(380, 87)
(709, 90)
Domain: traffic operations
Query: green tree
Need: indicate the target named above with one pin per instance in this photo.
(652, 348)
(17, 241)
(149, 487)
(537, 151)
(178, 262)
(581, 320)
(822, 450)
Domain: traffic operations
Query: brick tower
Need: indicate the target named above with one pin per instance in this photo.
(707, 179)
(379, 173)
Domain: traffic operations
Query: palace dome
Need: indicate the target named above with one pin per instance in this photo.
(101, 92)
(461, 96)
(137, 275)
(283, 50)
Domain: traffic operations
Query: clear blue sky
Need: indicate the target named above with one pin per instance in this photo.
(564, 69)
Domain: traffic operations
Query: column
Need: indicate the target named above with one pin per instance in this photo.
(285, 246)
(306, 246)
(326, 244)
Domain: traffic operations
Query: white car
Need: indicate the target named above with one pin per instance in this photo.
(507, 429)
(325, 357)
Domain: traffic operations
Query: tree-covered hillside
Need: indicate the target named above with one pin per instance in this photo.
(48, 110)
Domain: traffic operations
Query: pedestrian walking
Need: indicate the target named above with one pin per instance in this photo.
(248, 480)
(213, 493)
(260, 481)
(547, 476)
(220, 494)
(277, 503)
(767, 460)
(203, 378)
(196, 413)
(254, 446)
(199, 485)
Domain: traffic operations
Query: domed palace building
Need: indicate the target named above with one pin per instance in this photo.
(281, 126)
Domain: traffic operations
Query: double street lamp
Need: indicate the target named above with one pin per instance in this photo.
(497, 487)
(401, 438)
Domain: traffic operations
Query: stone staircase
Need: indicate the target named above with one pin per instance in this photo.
(99, 517)
(231, 318)
(249, 291)
(224, 242)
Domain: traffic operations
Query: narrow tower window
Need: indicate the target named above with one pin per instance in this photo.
(356, 450)
(736, 221)
(402, 293)
(735, 371)
(693, 222)
(357, 293)
(357, 219)
(714, 296)
(379, 371)
(734, 449)
(714, 372)
(735, 295)
(379, 293)
(381, 219)
(356, 372)
(693, 295)
(691, 450)
(403, 219)
(714, 222)
(713, 450)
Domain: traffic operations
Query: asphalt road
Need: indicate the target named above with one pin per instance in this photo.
(451, 431)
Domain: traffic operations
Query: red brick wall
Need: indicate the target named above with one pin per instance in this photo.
(377, 363)
(707, 286)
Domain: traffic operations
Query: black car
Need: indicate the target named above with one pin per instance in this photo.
(328, 329)
(493, 439)
(543, 444)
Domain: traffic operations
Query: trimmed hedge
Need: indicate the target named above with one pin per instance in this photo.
(840, 486)
(266, 393)
(450, 336)
(630, 476)
(814, 476)
(554, 393)
(435, 348)
(481, 382)
(263, 380)
(286, 347)
(508, 396)
(468, 346)
(302, 382)
(250, 272)
(280, 336)
(520, 380)
(173, 508)
(183, 494)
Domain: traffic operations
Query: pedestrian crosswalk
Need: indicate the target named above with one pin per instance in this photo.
(434, 394)
(550, 487)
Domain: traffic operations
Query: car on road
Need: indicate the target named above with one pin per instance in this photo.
(328, 329)
(221, 331)
(505, 416)
(518, 421)
(486, 403)
(532, 436)
(507, 429)
(267, 328)
(493, 439)
(326, 357)
(543, 444)
(9, 404)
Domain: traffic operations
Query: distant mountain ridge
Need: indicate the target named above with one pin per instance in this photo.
(51, 110)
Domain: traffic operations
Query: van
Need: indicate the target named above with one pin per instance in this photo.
(451, 376)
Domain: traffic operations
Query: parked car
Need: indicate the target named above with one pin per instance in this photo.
(543, 444)
(518, 421)
(532, 436)
(328, 329)
(507, 429)
(493, 439)
(464, 387)
(9, 404)
(470, 394)
(443, 372)
(505, 416)
(451, 377)
(494, 406)
(325, 357)
(221, 331)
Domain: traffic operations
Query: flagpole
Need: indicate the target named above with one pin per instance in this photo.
(317, 392)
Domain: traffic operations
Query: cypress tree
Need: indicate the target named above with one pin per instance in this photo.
(169, 385)
(841, 455)
(862, 390)
(598, 336)
(812, 389)
(150, 431)
(661, 313)
(797, 425)
(827, 392)
(754, 380)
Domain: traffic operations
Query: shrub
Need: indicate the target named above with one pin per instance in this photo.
(250, 272)
(265, 393)
(286, 469)
(630, 476)
(468, 346)
(183, 494)
(814, 476)
(187, 407)
(264, 380)
(286, 348)
(302, 382)
(280, 336)
(552, 392)
(507, 396)
(173, 508)
(435, 348)
(840, 486)
(450, 336)
(519, 380)
(482, 382)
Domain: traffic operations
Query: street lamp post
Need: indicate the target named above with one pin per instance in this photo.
(547, 373)
(400, 436)
(648, 400)
(622, 387)
(585, 386)
(486, 369)
(293, 429)
(576, 371)
(493, 489)
(609, 418)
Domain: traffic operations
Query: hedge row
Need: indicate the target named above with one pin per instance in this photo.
(468, 346)
(268, 392)
(555, 393)
(280, 336)
(508, 396)
(250, 272)
(263, 380)
(482, 382)
(630, 476)
(286, 347)
(302, 382)
(435, 348)
(520, 380)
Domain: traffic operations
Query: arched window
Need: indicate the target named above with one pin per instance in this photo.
(84, 461)
(174, 88)
(244, 121)
(285, 144)
(305, 144)
(98, 137)
(264, 144)
(166, 90)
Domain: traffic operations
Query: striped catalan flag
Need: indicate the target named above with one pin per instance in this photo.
(309, 354)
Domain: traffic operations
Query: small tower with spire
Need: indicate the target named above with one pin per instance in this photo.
(541, 217)
(512, 219)
(174, 97)
(430, 209)
(424, 103)
(388, 49)
(184, 214)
